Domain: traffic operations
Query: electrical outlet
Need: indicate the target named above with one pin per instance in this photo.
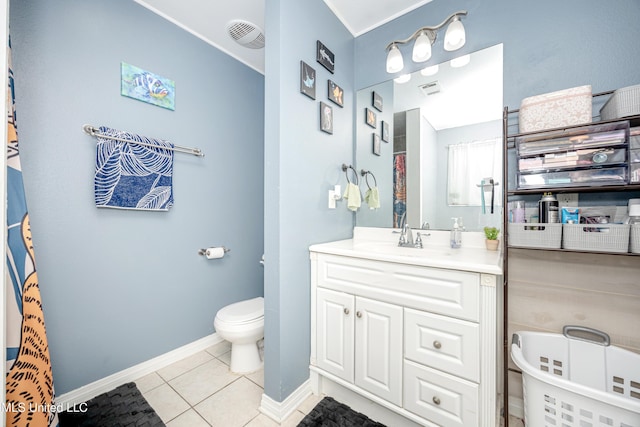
(568, 199)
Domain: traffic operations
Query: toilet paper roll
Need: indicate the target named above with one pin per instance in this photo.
(214, 253)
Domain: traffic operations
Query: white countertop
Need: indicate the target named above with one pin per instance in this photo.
(381, 244)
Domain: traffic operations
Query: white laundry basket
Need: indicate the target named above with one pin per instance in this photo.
(577, 379)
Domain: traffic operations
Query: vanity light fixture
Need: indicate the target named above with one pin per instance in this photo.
(430, 71)
(425, 37)
(460, 61)
(402, 78)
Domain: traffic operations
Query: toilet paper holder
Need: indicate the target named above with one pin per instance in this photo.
(204, 251)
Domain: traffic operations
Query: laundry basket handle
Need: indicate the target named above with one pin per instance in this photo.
(603, 340)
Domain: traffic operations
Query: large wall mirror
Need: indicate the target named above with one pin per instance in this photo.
(430, 142)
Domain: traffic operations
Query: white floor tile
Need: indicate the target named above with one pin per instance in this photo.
(257, 377)
(310, 403)
(178, 368)
(233, 406)
(149, 382)
(262, 421)
(203, 381)
(225, 357)
(219, 349)
(293, 420)
(166, 402)
(188, 419)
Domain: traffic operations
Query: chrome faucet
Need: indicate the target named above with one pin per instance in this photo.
(406, 235)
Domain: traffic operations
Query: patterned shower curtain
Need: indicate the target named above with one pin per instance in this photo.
(29, 382)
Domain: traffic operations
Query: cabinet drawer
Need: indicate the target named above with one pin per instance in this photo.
(448, 344)
(439, 397)
(449, 292)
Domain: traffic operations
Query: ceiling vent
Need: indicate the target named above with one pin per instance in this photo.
(430, 88)
(246, 34)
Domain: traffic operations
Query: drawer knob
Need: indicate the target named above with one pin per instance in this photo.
(436, 400)
(346, 310)
(437, 344)
(358, 314)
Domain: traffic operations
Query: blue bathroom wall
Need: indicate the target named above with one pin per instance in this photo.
(121, 287)
(548, 45)
(302, 164)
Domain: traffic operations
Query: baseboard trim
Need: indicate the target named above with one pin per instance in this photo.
(91, 390)
(280, 411)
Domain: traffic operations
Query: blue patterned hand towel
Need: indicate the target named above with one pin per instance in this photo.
(133, 176)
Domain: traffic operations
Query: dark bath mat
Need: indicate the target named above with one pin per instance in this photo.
(329, 413)
(121, 407)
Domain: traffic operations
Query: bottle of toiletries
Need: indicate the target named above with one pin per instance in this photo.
(456, 235)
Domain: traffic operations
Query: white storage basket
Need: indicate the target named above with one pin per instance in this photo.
(544, 236)
(623, 103)
(596, 237)
(571, 380)
(634, 245)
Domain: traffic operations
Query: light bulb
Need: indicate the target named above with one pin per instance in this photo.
(455, 36)
(394, 60)
(421, 48)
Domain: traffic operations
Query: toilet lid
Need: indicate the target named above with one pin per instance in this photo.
(242, 311)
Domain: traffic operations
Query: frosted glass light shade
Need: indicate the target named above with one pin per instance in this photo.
(421, 48)
(403, 78)
(460, 61)
(455, 36)
(430, 71)
(394, 60)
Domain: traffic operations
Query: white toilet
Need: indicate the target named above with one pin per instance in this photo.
(242, 324)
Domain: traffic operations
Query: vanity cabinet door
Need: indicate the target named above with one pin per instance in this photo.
(335, 332)
(378, 349)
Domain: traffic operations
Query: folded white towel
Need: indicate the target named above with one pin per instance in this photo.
(352, 194)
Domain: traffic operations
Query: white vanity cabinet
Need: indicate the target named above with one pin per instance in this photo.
(417, 340)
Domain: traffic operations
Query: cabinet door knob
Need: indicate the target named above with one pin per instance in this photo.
(437, 344)
(346, 310)
(436, 400)
(358, 314)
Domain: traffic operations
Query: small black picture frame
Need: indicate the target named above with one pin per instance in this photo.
(376, 144)
(376, 101)
(370, 117)
(336, 93)
(307, 80)
(326, 118)
(385, 131)
(324, 56)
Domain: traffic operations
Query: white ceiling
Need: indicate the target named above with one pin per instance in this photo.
(208, 19)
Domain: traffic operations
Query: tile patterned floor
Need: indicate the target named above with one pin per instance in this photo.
(200, 391)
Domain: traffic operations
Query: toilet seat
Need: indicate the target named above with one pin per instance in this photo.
(242, 312)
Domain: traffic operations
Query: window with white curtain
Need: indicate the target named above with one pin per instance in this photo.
(469, 164)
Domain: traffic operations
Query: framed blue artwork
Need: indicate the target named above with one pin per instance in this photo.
(147, 87)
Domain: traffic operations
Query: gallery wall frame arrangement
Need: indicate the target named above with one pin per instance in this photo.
(376, 144)
(307, 80)
(385, 131)
(376, 101)
(370, 117)
(325, 57)
(335, 93)
(326, 118)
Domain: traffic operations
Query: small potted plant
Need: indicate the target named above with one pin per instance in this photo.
(491, 233)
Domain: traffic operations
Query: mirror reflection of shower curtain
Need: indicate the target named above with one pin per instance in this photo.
(473, 161)
(399, 188)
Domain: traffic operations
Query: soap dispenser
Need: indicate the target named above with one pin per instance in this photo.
(456, 235)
